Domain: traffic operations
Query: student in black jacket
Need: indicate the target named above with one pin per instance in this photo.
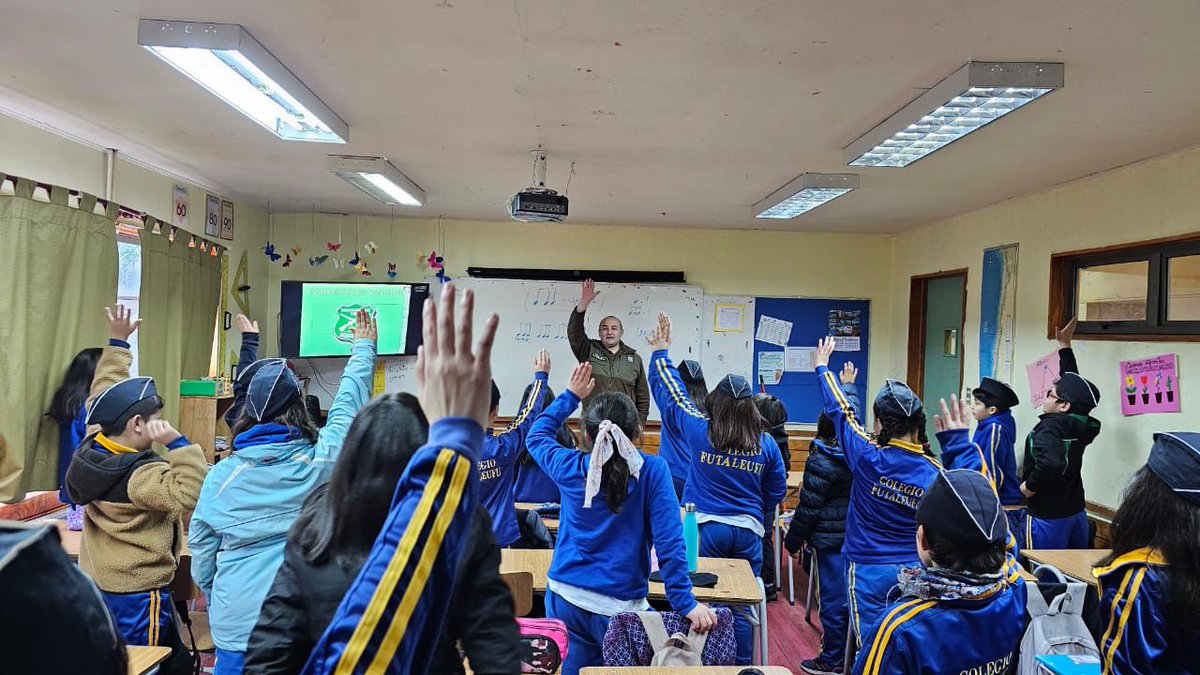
(820, 524)
(774, 415)
(334, 535)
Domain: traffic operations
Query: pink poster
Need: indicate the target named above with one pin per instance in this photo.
(1149, 386)
(1042, 373)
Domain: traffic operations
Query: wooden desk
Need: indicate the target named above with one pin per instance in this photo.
(143, 659)
(702, 670)
(181, 587)
(1074, 563)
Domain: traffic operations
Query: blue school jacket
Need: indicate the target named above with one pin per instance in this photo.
(393, 614)
(249, 502)
(997, 437)
(70, 436)
(534, 486)
(498, 467)
(1138, 636)
(889, 481)
(719, 483)
(938, 636)
(606, 552)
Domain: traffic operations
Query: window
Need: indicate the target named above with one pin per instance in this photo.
(1147, 290)
(129, 284)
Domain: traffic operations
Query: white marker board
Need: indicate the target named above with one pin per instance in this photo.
(727, 351)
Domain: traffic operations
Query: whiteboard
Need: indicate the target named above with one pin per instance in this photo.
(534, 316)
(727, 351)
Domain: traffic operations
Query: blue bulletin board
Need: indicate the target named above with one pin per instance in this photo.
(811, 321)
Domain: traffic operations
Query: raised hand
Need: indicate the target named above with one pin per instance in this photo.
(849, 373)
(1067, 332)
(589, 294)
(660, 337)
(825, 347)
(245, 325)
(957, 415)
(581, 383)
(161, 432)
(121, 323)
(453, 380)
(541, 363)
(703, 618)
(364, 326)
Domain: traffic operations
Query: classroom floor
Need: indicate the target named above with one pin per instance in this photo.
(791, 639)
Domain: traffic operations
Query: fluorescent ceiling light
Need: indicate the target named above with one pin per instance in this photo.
(379, 178)
(805, 193)
(975, 95)
(226, 60)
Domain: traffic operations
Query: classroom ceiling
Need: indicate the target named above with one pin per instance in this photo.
(675, 113)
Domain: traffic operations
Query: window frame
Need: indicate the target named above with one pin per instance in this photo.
(1064, 275)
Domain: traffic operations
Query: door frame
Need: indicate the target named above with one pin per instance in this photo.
(918, 296)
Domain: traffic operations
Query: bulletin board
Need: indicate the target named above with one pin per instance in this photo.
(810, 320)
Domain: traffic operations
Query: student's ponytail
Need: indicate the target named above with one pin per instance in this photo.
(892, 427)
(619, 409)
(614, 479)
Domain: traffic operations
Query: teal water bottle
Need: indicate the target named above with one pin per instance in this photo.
(691, 537)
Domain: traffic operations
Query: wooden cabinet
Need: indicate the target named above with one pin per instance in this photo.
(202, 419)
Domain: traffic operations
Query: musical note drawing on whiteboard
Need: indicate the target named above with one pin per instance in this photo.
(523, 333)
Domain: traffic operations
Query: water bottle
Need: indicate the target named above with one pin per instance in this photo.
(691, 537)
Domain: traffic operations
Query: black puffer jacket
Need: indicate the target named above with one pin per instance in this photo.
(820, 517)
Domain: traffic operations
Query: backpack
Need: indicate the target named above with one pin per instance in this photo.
(650, 638)
(543, 645)
(1057, 628)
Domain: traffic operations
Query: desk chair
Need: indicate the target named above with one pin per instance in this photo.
(521, 586)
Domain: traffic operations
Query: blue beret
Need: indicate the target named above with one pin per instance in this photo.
(692, 368)
(121, 401)
(1175, 458)
(273, 389)
(1074, 389)
(735, 386)
(961, 506)
(995, 392)
(895, 399)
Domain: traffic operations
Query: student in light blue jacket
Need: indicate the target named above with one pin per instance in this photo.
(249, 501)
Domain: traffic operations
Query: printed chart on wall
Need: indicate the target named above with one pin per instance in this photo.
(1150, 386)
(997, 313)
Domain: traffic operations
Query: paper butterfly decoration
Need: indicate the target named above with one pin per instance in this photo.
(355, 260)
(435, 261)
(287, 262)
(370, 247)
(362, 268)
(318, 261)
(269, 249)
(296, 250)
(391, 270)
(333, 247)
(339, 263)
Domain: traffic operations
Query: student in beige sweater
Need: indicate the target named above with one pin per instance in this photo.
(134, 499)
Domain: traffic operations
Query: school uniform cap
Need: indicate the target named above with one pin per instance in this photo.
(692, 368)
(896, 399)
(123, 400)
(247, 373)
(962, 507)
(1175, 458)
(995, 392)
(735, 386)
(272, 390)
(1077, 391)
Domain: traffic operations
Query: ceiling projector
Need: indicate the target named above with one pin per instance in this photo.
(537, 203)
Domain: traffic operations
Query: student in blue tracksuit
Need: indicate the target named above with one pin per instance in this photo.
(532, 484)
(250, 500)
(601, 565)
(498, 467)
(248, 364)
(1150, 583)
(69, 409)
(1053, 480)
(737, 474)
(671, 444)
(890, 476)
(960, 611)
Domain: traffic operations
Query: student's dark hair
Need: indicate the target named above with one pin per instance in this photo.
(986, 399)
(773, 411)
(619, 409)
(895, 426)
(826, 431)
(735, 425)
(697, 389)
(341, 519)
(564, 436)
(1153, 516)
(986, 560)
(76, 385)
(295, 417)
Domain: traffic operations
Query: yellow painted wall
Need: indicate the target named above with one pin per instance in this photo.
(1156, 198)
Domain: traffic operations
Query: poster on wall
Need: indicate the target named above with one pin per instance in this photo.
(179, 211)
(212, 220)
(997, 312)
(770, 367)
(226, 219)
(1150, 386)
(845, 326)
(1042, 375)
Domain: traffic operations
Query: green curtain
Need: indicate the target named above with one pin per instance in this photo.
(58, 270)
(181, 287)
